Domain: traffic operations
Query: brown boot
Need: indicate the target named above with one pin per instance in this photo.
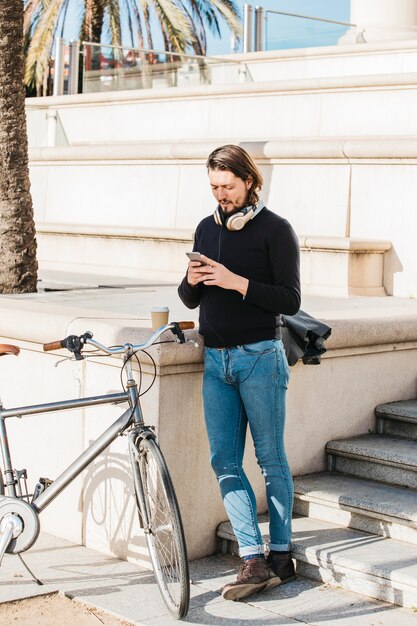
(254, 576)
(282, 566)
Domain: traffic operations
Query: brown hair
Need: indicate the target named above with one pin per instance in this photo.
(240, 163)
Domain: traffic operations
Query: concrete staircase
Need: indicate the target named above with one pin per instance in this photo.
(355, 526)
(120, 176)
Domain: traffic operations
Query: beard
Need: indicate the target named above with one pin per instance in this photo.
(226, 214)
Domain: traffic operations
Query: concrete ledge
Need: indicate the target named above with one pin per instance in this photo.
(326, 51)
(314, 148)
(329, 265)
(344, 244)
(96, 230)
(374, 331)
(307, 242)
(330, 83)
(50, 320)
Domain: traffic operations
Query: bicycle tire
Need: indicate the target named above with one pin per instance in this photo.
(165, 534)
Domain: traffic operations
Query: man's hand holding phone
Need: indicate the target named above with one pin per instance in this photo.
(196, 268)
(211, 273)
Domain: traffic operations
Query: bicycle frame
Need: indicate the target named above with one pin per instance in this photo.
(133, 415)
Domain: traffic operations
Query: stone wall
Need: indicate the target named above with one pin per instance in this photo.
(369, 361)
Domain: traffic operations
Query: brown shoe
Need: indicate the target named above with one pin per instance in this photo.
(283, 566)
(254, 576)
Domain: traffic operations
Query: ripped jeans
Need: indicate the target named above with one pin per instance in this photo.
(247, 385)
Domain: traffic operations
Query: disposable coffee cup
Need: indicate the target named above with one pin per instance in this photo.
(159, 316)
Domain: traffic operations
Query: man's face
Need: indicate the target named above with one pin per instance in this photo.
(229, 190)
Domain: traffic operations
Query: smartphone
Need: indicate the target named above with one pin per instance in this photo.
(195, 256)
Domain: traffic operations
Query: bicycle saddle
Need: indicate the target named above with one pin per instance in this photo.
(7, 348)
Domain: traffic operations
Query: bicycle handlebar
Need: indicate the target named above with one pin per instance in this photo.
(75, 343)
(53, 345)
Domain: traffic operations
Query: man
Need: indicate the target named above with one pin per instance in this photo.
(249, 276)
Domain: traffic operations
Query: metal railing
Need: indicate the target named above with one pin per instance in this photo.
(256, 36)
(91, 67)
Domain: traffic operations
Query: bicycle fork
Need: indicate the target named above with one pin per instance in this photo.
(134, 435)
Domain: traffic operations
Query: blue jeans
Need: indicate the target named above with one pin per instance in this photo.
(247, 385)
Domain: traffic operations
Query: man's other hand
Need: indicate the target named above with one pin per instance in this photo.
(218, 275)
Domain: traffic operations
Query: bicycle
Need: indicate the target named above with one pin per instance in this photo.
(156, 502)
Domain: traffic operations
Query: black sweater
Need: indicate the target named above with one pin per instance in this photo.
(266, 252)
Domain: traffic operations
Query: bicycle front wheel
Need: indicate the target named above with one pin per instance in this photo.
(164, 531)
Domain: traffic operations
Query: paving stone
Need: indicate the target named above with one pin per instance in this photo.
(315, 603)
(226, 613)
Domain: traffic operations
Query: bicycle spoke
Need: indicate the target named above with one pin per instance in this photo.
(164, 533)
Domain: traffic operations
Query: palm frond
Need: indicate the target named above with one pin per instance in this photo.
(230, 14)
(175, 23)
(39, 52)
(198, 30)
(64, 15)
(135, 11)
(147, 19)
(31, 8)
(115, 28)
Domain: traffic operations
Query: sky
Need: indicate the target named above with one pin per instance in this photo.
(281, 31)
(291, 32)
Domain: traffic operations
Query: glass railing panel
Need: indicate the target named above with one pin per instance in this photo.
(286, 31)
(110, 68)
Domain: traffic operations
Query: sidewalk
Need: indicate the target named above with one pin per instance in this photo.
(130, 593)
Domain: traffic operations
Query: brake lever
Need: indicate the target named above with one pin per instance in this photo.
(176, 330)
(75, 344)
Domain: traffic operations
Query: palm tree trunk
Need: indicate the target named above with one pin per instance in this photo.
(18, 266)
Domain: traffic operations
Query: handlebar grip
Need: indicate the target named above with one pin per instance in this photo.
(53, 345)
(186, 325)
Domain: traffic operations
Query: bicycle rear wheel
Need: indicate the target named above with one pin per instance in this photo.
(165, 534)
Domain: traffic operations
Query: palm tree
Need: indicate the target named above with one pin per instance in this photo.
(18, 267)
(183, 25)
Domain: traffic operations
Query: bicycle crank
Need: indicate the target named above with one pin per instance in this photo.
(19, 526)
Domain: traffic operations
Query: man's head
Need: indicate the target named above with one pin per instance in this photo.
(234, 177)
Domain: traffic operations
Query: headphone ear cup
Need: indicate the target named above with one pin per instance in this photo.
(217, 217)
(238, 220)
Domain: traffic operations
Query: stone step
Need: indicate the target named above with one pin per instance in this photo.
(338, 60)
(331, 266)
(392, 460)
(377, 508)
(374, 566)
(397, 418)
(338, 106)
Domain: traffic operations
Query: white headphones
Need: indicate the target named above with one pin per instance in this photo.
(236, 221)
